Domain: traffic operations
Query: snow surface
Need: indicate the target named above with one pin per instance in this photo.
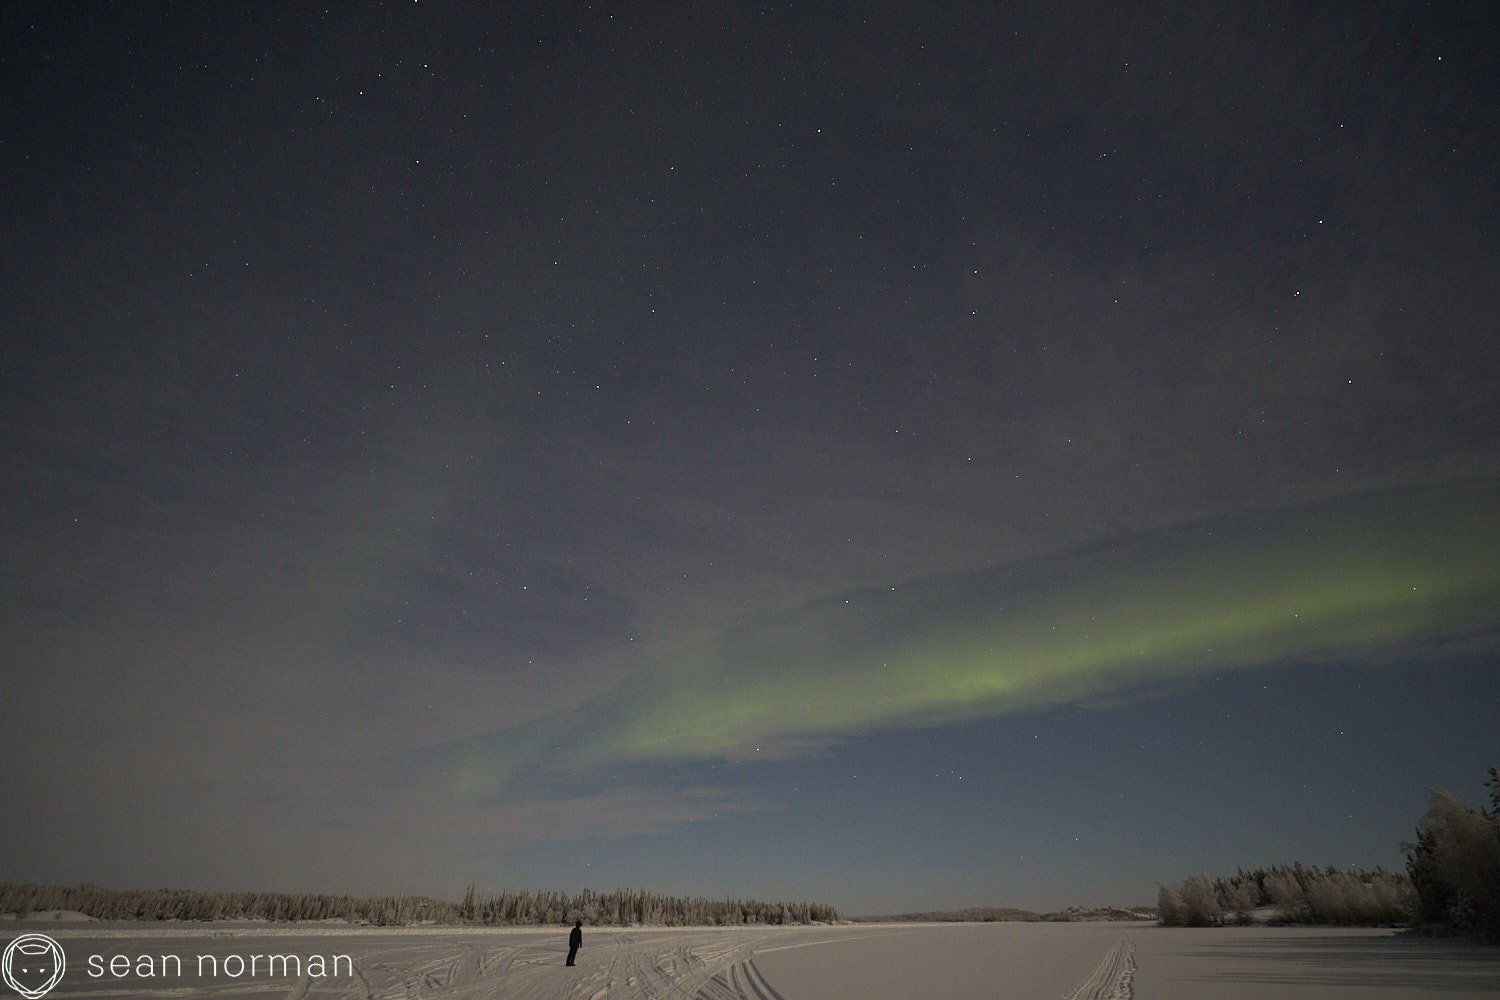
(995, 961)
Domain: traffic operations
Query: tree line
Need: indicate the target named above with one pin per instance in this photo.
(618, 908)
(1451, 884)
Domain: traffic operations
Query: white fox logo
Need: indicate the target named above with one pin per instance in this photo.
(33, 964)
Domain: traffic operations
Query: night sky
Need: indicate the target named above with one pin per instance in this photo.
(894, 454)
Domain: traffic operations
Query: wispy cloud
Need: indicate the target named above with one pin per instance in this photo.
(624, 811)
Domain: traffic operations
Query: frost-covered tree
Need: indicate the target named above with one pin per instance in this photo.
(1454, 863)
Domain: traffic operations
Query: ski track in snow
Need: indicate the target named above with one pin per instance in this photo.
(684, 965)
(1113, 978)
(614, 964)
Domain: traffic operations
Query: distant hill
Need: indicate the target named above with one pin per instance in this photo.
(974, 914)
(992, 914)
(1084, 913)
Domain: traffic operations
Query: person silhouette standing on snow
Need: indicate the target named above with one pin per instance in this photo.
(575, 941)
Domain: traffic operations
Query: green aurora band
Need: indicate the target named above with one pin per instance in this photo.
(1360, 579)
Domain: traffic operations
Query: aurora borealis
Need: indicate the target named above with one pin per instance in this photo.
(908, 458)
(1366, 578)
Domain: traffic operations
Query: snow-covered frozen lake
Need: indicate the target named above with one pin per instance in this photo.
(998, 961)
